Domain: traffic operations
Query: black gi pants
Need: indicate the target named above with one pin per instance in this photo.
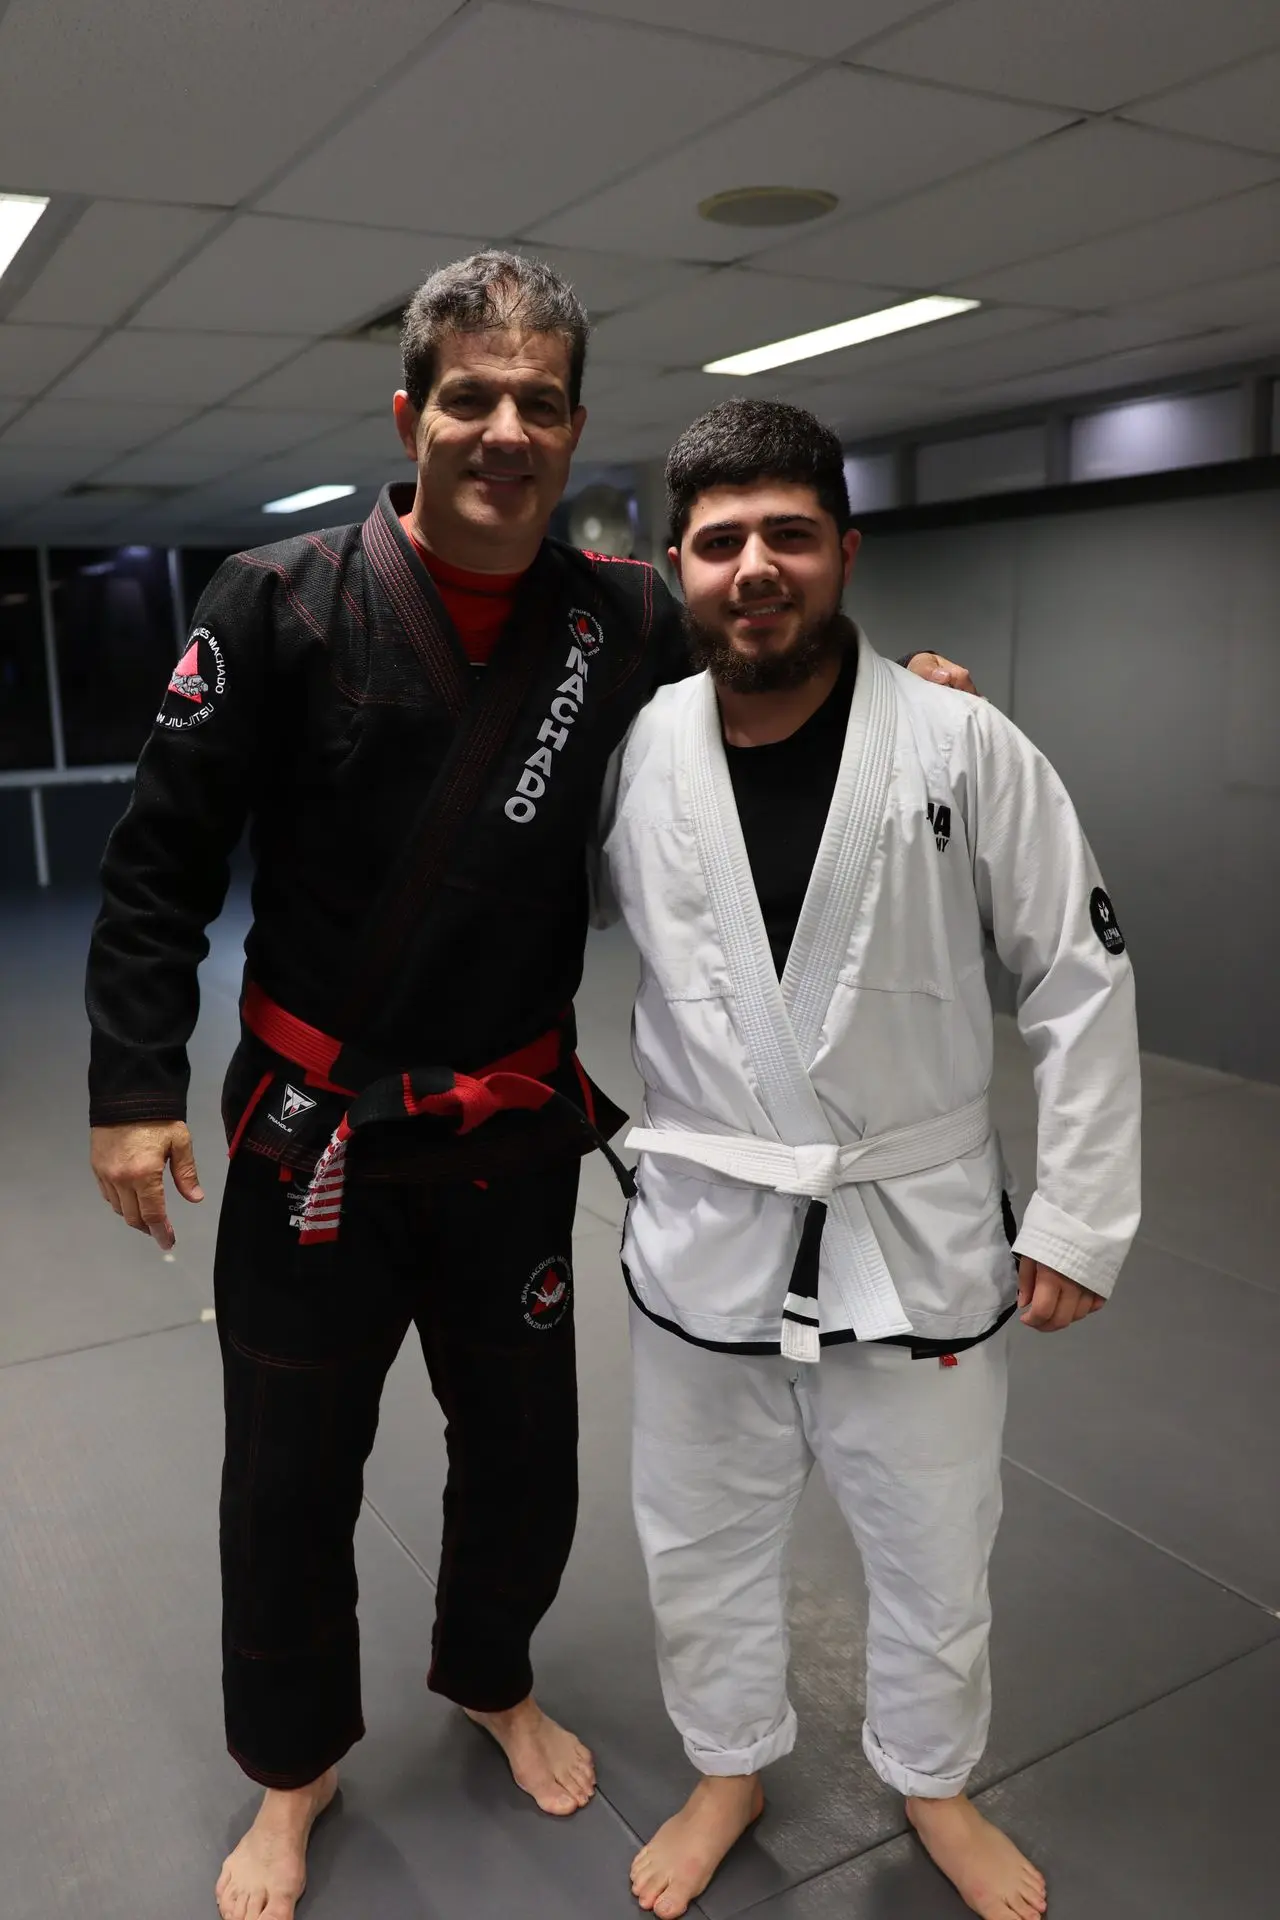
(307, 1336)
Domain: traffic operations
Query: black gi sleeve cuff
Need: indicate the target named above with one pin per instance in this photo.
(134, 1108)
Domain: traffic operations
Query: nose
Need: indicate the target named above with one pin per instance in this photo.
(756, 564)
(504, 429)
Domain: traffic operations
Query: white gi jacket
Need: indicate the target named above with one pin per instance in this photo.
(861, 1078)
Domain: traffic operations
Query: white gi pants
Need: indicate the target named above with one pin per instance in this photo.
(723, 1444)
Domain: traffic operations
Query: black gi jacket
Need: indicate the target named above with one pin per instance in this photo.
(418, 828)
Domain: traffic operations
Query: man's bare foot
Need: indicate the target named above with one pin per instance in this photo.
(982, 1864)
(679, 1861)
(265, 1876)
(550, 1763)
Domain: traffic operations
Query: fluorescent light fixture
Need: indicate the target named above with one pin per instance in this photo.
(18, 214)
(313, 497)
(847, 333)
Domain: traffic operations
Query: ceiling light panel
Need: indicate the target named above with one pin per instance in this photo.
(812, 27)
(1092, 54)
(310, 497)
(202, 103)
(1078, 185)
(544, 105)
(864, 137)
(846, 333)
(19, 213)
(113, 254)
(727, 312)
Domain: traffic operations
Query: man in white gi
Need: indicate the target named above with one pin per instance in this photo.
(808, 845)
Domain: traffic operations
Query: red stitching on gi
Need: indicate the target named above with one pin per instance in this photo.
(314, 540)
(303, 613)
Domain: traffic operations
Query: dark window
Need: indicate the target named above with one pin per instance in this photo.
(26, 737)
(199, 564)
(117, 643)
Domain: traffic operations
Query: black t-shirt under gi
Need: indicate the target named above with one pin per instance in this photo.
(783, 792)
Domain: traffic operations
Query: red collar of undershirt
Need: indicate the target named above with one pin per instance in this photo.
(445, 574)
(479, 604)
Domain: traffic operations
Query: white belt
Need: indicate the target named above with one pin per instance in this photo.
(813, 1171)
(817, 1172)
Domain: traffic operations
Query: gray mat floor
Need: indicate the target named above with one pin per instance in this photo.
(1135, 1748)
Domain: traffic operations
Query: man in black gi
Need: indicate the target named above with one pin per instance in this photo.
(414, 717)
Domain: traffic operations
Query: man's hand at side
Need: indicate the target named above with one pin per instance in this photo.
(1049, 1301)
(933, 666)
(128, 1163)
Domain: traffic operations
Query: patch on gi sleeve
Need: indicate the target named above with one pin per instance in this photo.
(198, 682)
(1105, 924)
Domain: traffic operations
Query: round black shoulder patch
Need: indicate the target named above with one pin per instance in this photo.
(1105, 924)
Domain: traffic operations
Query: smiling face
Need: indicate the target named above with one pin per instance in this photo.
(763, 569)
(493, 446)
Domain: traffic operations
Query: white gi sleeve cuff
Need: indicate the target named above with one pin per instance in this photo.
(1084, 1255)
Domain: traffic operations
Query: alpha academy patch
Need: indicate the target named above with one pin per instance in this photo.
(197, 683)
(548, 1294)
(1105, 924)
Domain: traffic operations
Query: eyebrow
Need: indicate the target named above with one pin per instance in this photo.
(459, 382)
(771, 520)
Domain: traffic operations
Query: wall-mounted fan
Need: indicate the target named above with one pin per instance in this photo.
(600, 520)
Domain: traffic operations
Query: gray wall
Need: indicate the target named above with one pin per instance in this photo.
(1139, 646)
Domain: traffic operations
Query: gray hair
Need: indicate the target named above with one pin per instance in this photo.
(490, 290)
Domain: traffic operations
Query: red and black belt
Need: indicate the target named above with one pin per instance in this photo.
(460, 1102)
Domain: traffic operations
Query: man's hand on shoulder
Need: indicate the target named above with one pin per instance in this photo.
(128, 1163)
(934, 666)
(1049, 1301)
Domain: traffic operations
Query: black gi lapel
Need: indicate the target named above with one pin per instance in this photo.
(485, 709)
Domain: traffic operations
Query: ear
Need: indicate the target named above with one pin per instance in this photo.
(407, 418)
(577, 421)
(849, 544)
(673, 555)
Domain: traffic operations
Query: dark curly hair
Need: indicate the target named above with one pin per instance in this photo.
(742, 441)
(490, 290)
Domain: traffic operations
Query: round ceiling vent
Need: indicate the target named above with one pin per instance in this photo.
(767, 206)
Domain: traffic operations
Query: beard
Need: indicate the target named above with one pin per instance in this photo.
(772, 672)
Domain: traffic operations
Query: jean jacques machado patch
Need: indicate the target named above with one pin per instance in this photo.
(587, 636)
(198, 681)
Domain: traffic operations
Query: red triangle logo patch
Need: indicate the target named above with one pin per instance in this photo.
(186, 676)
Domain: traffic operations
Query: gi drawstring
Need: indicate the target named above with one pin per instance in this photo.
(800, 1308)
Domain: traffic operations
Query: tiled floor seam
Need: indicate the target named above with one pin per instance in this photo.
(1206, 1266)
(1136, 1533)
(94, 1346)
(1000, 1780)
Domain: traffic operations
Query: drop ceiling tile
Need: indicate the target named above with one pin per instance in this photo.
(1241, 106)
(1092, 54)
(1252, 300)
(727, 312)
(247, 433)
(112, 426)
(115, 252)
(161, 466)
(1061, 343)
(177, 100)
(30, 357)
(1226, 238)
(609, 282)
(862, 136)
(1074, 186)
(199, 368)
(344, 376)
(668, 399)
(45, 466)
(815, 27)
(1133, 370)
(544, 106)
(264, 275)
(359, 443)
